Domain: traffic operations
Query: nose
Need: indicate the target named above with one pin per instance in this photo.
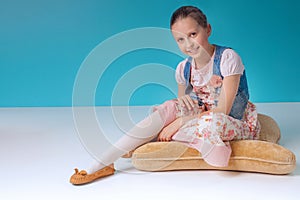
(189, 44)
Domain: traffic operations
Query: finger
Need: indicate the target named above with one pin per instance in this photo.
(166, 138)
(190, 104)
(186, 103)
(159, 137)
(181, 102)
(162, 135)
(182, 99)
(190, 101)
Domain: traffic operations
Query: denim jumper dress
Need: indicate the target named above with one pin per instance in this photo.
(242, 96)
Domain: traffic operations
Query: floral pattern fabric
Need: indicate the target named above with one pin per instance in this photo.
(210, 134)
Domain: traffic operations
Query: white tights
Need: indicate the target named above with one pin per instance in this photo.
(141, 133)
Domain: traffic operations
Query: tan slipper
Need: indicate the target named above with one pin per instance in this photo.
(81, 177)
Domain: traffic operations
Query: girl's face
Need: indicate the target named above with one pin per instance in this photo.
(192, 39)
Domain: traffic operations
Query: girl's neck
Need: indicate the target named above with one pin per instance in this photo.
(204, 58)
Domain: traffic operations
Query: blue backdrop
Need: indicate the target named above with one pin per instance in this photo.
(44, 43)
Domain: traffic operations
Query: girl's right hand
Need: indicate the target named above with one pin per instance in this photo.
(187, 101)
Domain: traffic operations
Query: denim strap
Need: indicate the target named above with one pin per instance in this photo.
(217, 60)
(187, 76)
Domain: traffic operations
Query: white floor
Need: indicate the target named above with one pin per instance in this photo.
(39, 147)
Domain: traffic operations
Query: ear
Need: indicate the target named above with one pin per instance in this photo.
(208, 29)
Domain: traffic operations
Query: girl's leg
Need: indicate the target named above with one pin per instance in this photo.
(141, 133)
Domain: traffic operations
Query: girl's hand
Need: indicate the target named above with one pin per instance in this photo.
(166, 134)
(186, 101)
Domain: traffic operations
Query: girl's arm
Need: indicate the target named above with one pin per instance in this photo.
(181, 90)
(228, 93)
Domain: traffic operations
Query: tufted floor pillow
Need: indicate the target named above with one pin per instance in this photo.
(263, 156)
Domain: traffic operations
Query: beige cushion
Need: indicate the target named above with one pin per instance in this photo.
(269, 129)
(247, 155)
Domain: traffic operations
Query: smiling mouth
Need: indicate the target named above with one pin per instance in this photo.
(193, 51)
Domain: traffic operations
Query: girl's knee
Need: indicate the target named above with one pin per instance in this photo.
(167, 111)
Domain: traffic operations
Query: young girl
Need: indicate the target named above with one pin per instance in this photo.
(212, 106)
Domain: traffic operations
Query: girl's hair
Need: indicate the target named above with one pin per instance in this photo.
(189, 11)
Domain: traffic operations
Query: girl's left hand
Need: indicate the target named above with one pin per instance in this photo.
(166, 134)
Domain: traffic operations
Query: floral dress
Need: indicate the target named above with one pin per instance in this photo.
(210, 134)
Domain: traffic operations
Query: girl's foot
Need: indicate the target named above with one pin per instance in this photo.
(82, 177)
